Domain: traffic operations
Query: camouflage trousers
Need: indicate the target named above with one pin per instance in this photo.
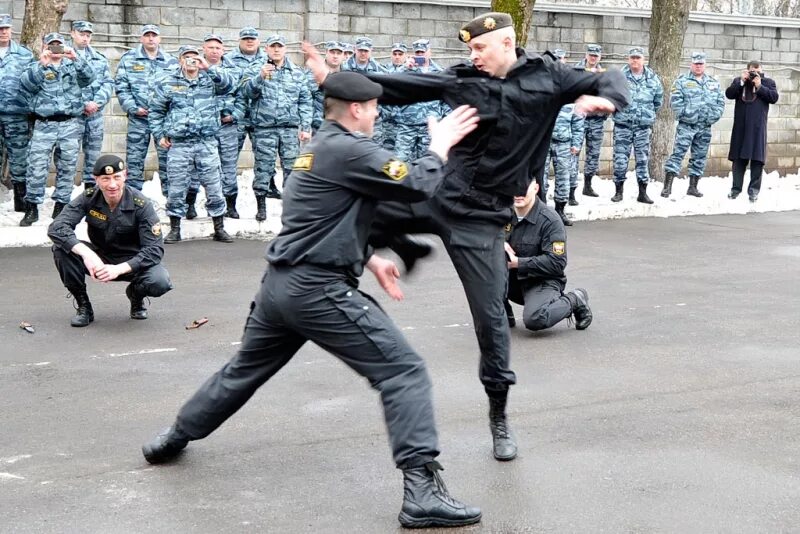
(244, 131)
(15, 136)
(91, 142)
(564, 162)
(411, 141)
(269, 144)
(137, 143)
(389, 135)
(593, 136)
(624, 138)
(48, 135)
(228, 143)
(690, 136)
(187, 156)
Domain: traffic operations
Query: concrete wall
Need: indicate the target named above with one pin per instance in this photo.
(729, 42)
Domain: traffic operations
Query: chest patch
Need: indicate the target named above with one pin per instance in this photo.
(50, 76)
(304, 162)
(98, 215)
(137, 67)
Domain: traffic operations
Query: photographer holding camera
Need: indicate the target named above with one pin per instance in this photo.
(753, 93)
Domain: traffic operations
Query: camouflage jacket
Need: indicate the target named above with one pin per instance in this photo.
(56, 90)
(283, 100)
(244, 63)
(138, 76)
(647, 97)
(102, 87)
(12, 66)
(698, 102)
(227, 103)
(417, 114)
(569, 127)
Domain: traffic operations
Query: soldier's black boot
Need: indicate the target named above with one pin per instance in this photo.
(619, 186)
(138, 309)
(58, 207)
(410, 249)
(165, 446)
(20, 189)
(643, 198)
(230, 202)
(587, 186)
(191, 211)
(174, 234)
(668, 178)
(693, 191)
(84, 314)
(560, 210)
(572, 201)
(427, 503)
(31, 214)
(579, 299)
(504, 444)
(261, 207)
(273, 191)
(219, 231)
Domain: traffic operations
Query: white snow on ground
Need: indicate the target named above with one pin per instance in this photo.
(777, 194)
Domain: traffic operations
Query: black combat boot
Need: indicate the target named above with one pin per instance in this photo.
(668, 178)
(58, 207)
(587, 186)
(427, 503)
(693, 191)
(619, 186)
(174, 234)
(191, 198)
(505, 446)
(19, 196)
(572, 201)
(219, 231)
(230, 202)
(165, 446)
(643, 198)
(410, 249)
(579, 299)
(31, 214)
(273, 191)
(261, 207)
(560, 210)
(138, 309)
(84, 313)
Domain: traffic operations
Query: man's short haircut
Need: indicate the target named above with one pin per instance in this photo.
(753, 64)
(334, 107)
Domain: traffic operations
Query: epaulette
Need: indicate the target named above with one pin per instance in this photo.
(89, 191)
(139, 201)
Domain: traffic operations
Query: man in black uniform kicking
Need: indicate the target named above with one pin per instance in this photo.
(310, 292)
(518, 96)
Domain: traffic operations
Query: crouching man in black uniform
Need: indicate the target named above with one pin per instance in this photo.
(536, 249)
(310, 293)
(125, 242)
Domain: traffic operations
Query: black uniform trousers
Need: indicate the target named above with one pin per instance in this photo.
(295, 305)
(756, 169)
(475, 246)
(148, 282)
(544, 303)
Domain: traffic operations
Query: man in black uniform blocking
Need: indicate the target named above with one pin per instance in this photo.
(518, 96)
(125, 243)
(536, 249)
(310, 293)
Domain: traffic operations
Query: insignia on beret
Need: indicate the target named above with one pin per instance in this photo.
(109, 170)
(489, 23)
(156, 229)
(395, 169)
(464, 36)
(303, 162)
(559, 248)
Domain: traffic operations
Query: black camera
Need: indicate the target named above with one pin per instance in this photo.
(753, 75)
(271, 61)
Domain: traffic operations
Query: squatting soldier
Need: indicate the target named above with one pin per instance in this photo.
(334, 55)
(697, 102)
(565, 144)
(397, 64)
(139, 72)
(634, 124)
(593, 126)
(15, 131)
(124, 242)
(53, 88)
(185, 118)
(363, 63)
(281, 115)
(248, 54)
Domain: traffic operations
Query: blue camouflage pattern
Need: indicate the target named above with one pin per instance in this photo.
(567, 133)
(12, 66)
(245, 63)
(593, 130)
(372, 66)
(694, 137)
(15, 135)
(412, 138)
(638, 138)
(183, 158)
(389, 125)
(647, 97)
(56, 90)
(269, 144)
(46, 136)
(694, 101)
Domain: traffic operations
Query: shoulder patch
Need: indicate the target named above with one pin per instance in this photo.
(156, 229)
(304, 162)
(395, 169)
(559, 248)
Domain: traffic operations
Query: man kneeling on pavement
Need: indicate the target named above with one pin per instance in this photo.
(125, 242)
(536, 247)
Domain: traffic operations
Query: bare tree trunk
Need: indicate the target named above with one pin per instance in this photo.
(41, 18)
(668, 23)
(521, 12)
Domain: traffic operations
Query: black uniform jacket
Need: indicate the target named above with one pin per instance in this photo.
(540, 243)
(131, 233)
(517, 115)
(330, 200)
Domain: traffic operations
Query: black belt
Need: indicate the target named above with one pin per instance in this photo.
(55, 118)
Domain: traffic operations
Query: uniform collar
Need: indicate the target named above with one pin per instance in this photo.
(126, 204)
(533, 214)
(141, 53)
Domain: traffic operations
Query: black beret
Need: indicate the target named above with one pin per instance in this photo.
(488, 22)
(107, 165)
(351, 86)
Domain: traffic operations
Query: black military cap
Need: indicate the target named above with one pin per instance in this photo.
(488, 22)
(108, 165)
(351, 86)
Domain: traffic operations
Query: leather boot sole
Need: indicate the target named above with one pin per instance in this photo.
(427, 522)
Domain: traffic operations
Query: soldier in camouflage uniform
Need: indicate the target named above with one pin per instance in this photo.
(53, 88)
(138, 74)
(634, 124)
(362, 62)
(95, 98)
(348, 51)
(185, 118)
(593, 126)
(248, 54)
(282, 110)
(697, 102)
(397, 64)
(15, 132)
(334, 55)
(565, 144)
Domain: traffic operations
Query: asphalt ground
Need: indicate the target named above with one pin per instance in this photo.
(676, 411)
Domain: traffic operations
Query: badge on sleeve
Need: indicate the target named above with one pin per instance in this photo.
(395, 169)
(304, 162)
(156, 229)
(559, 248)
